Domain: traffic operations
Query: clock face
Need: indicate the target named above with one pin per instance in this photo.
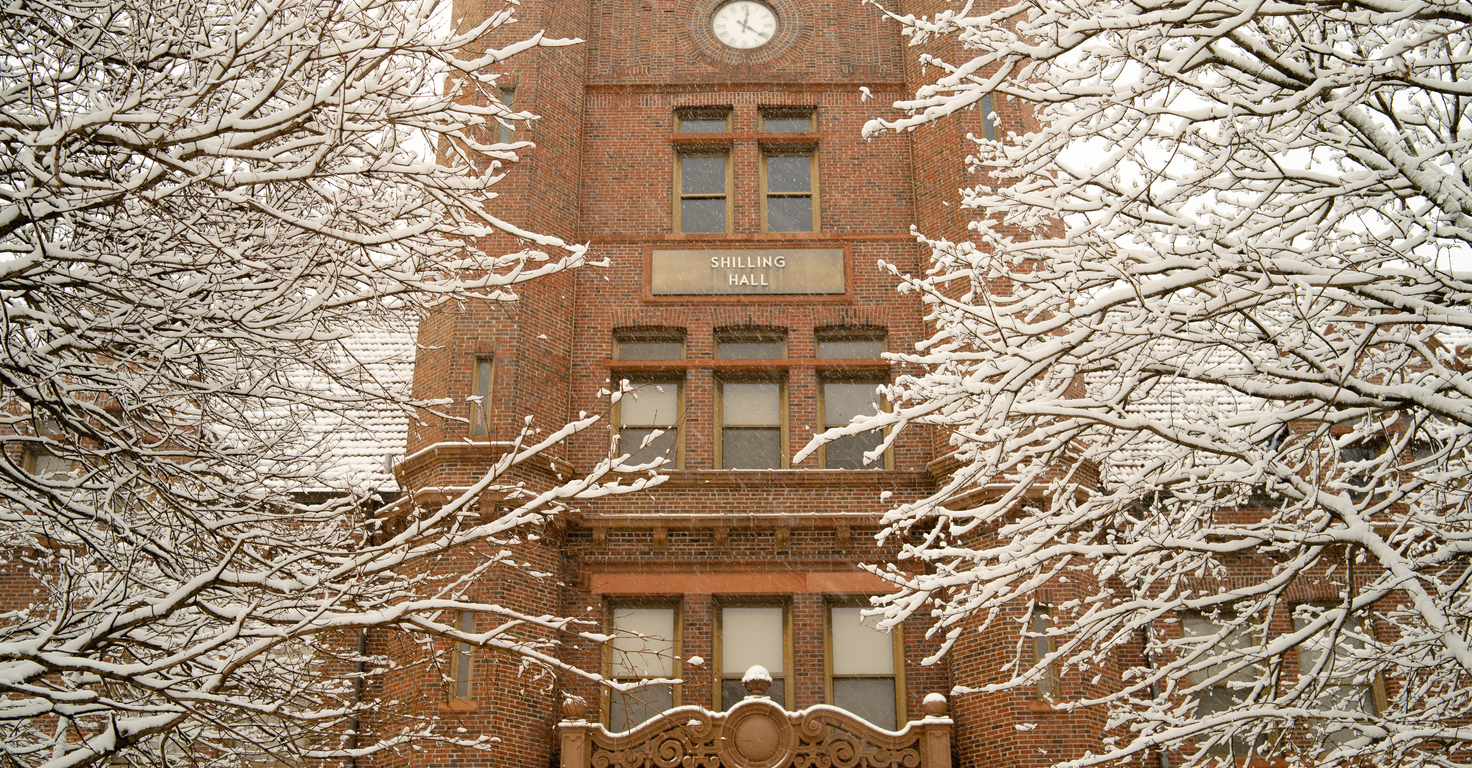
(744, 24)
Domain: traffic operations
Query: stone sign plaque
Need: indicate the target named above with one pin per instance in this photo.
(698, 272)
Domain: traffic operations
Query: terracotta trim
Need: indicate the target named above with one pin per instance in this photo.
(777, 364)
(698, 583)
(805, 478)
(724, 239)
(753, 85)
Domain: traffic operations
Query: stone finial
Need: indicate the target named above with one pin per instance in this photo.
(934, 705)
(757, 680)
(574, 708)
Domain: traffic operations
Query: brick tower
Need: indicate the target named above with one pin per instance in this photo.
(710, 151)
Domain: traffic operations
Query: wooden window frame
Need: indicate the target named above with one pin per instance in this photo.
(788, 669)
(1238, 745)
(480, 413)
(677, 461)
(780, 379)
(826, 377)
(702, 113)
(605, 696)
(461, 684)
(506, 133)
(790, 150)
(898, 637)
(1042, 646)
(703, 150)
(788, 113)
(988, 125)
(1378, 697)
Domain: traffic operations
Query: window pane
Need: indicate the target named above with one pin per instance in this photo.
(702, 125)
(703, 175)
(627, 710)
(651, 350)
(849, 349)
(789, 214)
(650, 656)
(482, 390)
(871, 698)
(703, 214)
(747, 448)
(662, 447)
(751, 403)
(843, 400)
(787, 125)
(49, 466)
(751, 635)
(733, 691)
(789, 173)
(859, 648)
(650, 405)
(848, 452)
(750, 350)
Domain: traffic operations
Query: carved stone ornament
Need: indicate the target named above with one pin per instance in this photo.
(757, 733)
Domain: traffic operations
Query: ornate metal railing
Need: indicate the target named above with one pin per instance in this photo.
(757, 733)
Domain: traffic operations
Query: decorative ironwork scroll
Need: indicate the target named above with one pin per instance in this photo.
(757, 733)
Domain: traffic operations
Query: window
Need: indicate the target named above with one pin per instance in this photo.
(40, 460)
(862, 669)
(704, 181)
(1038, 625)
(850, 345)
(1222, 695)
(789, 189)
(751, 635)
(1342, 688)
(460, 659)
(507, 132)
(788, 120)
(703, 120)
(654, 404)
(843, 400)
(644, 646)
(751, 410)
(988, 119)
(480, 400)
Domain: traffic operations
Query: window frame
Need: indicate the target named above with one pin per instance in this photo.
(1374, 692)
(1243, 634)
(787, 113)
(610, 607)
(897, 636)
(788, 673)
(851, 377)
(1043, 645)
(702, 113)
(777, 375)
(480, 413)
(702, 150)
(643, 378)
(505, 131)
(677, 461)
(810, 151)
(460, 684)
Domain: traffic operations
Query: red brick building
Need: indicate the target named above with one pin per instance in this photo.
(710, 151)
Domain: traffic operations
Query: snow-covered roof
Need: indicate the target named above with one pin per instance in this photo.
(360, 445)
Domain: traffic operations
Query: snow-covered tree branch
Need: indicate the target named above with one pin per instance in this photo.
(200, 204)
(1200, 365)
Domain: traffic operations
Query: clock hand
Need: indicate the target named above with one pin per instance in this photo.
(745, 19)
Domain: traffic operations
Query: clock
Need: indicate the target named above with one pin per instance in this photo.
(744, 24)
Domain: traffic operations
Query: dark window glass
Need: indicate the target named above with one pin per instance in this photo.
(703, 175)
(848, 452)
(871, 698)
(789, 173)
(702, 125)
(733, 691)
(849, 349)
(627, 710)
(787, 125)
(703, 214)
(650, 350)
(789, 214)
(750, 350)
(662, 447)
(751, 448)
(988, 123)
(480, 404)
(508, 100)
